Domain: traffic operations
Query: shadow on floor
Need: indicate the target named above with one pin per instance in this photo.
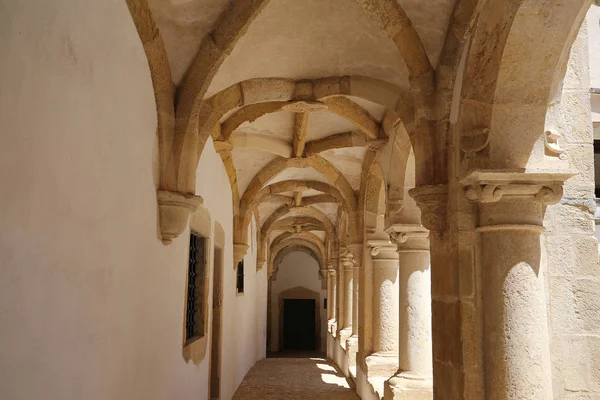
(295, 379)
(296, 354)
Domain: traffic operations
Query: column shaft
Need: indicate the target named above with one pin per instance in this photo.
(517, 357)
(516, 342)
(385, 297)
(415, 312)
(355, 280)
(348, 294)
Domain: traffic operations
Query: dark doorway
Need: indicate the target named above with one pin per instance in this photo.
(299, 324)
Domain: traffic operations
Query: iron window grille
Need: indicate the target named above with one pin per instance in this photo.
(194, 321)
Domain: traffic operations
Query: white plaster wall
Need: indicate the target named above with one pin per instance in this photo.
(297, 269)
(91, 302)
(244, 315)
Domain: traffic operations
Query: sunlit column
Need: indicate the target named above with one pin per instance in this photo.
(414, 376)
(516, 345)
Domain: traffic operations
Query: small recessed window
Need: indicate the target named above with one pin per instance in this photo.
(240, 277)
(196, 288)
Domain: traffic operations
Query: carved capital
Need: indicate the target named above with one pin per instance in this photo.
(332, 272)
(546, 187)
(432, 199)
(346, 259)
(323, 273)
(409, 237)
(381, 249)
(174, 211)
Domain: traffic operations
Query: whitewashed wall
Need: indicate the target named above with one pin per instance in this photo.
(91, 302)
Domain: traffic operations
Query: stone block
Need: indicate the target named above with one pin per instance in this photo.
(568, 219)
(572, 370)
(587, 303)
(573, 121)
(586, 256)
(560, 255)
(562, 306)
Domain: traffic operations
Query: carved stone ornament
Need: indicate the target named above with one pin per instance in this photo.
(551, 145)
(402, 233)
(474, 141)
(485, 186)
(239, 251)
(323, 273)
(382, 249)
(432, 200)
(332, 272)
(175, 209)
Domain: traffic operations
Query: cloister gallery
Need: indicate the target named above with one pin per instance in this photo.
(299, 199)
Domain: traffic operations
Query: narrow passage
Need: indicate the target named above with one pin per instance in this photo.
(294, 378)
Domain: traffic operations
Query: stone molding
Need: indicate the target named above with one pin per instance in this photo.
(409, 237)
(432, 200)
(382, 249)
(174, 211)
(485, 186)
(239, 251)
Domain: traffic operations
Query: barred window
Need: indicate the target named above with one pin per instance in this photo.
(240, 277)
(196, 288)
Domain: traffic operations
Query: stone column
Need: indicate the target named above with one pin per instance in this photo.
(516, 338)
(383, 362)
(414, 377)
(446, 306)
(331, 293)
(352, 342)
(348, 292)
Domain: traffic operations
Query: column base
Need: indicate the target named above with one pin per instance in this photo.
(408, 385)
(343, 337)
(380, 368)
(352, 349)
(332, 327)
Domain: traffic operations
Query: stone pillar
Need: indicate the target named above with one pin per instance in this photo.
(414, 377)
(383, 362)
(446, 311)
(385, 296)
(348, 291)
(331, 293)
(352, 342)
(511, 210)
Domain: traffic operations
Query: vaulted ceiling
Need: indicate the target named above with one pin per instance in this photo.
(333, 87)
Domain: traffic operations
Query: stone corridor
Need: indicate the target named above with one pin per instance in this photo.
(294, 378)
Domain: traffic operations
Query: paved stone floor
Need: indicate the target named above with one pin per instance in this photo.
(294, 378)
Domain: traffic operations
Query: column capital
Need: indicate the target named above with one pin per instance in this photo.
(513, 200)
(324, 273)
(239, 251)
(409, 237)
(175, 209)
(347, 259)
(332, 272)
(489, 186)
(382, 249)
(432, 200)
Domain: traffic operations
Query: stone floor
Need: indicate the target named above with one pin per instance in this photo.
(294, 378)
